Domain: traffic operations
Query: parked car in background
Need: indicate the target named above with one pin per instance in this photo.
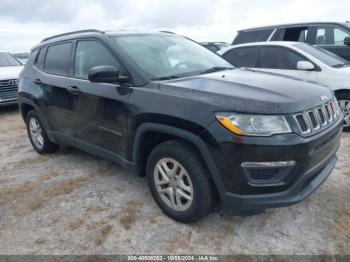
(214, 46)
(298, 60)
(206, 135)
(334, 37)
(10, 68)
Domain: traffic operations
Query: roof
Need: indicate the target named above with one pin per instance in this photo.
(94, 32)
(272, 43)
(347, 24)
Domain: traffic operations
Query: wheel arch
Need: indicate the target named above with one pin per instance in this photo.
(341, 91)
(165, 132)
(26, 105)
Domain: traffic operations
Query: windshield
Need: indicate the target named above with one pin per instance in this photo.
(162, 56)
(323, 55)
(8, 60)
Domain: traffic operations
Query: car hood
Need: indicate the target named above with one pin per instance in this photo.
(9, 72)
(246, 91)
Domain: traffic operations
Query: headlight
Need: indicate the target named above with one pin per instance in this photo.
(254, 125)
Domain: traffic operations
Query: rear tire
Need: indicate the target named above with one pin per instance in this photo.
(344, 104)
(37, 135)
(180, 182)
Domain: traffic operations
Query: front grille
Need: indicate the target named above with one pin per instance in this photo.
(311, 121)
(8, 90)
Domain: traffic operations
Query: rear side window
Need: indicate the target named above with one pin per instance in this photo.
(273, 57)
(212, 48)
(39, 60)
(58, 59)
(90, 54)
(252, 36)
(243, 57)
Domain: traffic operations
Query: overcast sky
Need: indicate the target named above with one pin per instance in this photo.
(23, 23)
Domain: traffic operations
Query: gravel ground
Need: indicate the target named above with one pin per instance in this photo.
(75, 203)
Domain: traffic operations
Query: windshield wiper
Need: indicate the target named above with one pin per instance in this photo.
(165, 77)
(339, 65)
(216, 69)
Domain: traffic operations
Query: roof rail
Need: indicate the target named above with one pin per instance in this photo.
(169, 32)
(74, 32)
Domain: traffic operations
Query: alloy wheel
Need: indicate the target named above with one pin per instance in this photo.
(345, 108)
(173, 184)
(36, 133)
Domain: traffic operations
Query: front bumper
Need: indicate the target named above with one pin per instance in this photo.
(315, 159)
(8, 102)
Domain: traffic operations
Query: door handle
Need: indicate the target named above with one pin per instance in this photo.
(37, 81)
(73, 90)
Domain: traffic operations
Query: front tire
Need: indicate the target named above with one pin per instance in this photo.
(344, 104)
(180, 182)
(37, 135)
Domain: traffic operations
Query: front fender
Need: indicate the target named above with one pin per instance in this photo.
(187, 136)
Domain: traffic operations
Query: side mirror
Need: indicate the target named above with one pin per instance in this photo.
(305, 66)
(107, 74)
(347, 40)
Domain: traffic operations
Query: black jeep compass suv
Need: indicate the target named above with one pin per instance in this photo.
(205, 134)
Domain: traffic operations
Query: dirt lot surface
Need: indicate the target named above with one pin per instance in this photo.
(74, 203)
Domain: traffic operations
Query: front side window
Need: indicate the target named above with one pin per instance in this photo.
(58, 59)
(323, 55)
(168, 55)
(90, 54)
(274, 57)
(8, 60)
(330, 35)
(339, 36)
(243, 57)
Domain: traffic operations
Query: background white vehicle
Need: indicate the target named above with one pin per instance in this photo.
(10, 68)
(298, 60)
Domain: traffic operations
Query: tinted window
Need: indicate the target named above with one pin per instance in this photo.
(279, 58)
(295, 34)
(58, 59)
(39, 60)
(243, 57)
(212, 48)
(330, 35)
(8, 60)
(252, 36)
(323, 55)
(90, 54)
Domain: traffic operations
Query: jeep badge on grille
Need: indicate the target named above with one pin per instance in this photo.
(323, 98)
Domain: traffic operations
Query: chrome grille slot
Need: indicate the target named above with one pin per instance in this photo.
(316, 119)
(315, 122)
(322, 116)
(303, 123)
(329, 113)
(8, 90)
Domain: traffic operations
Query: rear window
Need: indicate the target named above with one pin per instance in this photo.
(58, 59)
(252, 36)
(243, 57)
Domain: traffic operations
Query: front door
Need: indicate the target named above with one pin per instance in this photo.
(331, 38)
(282, 60)
(101, 113)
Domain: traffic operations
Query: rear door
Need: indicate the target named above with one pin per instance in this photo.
(100, 117)
(331, 38)
(243, 56)
(282, 60)
(54, 65)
